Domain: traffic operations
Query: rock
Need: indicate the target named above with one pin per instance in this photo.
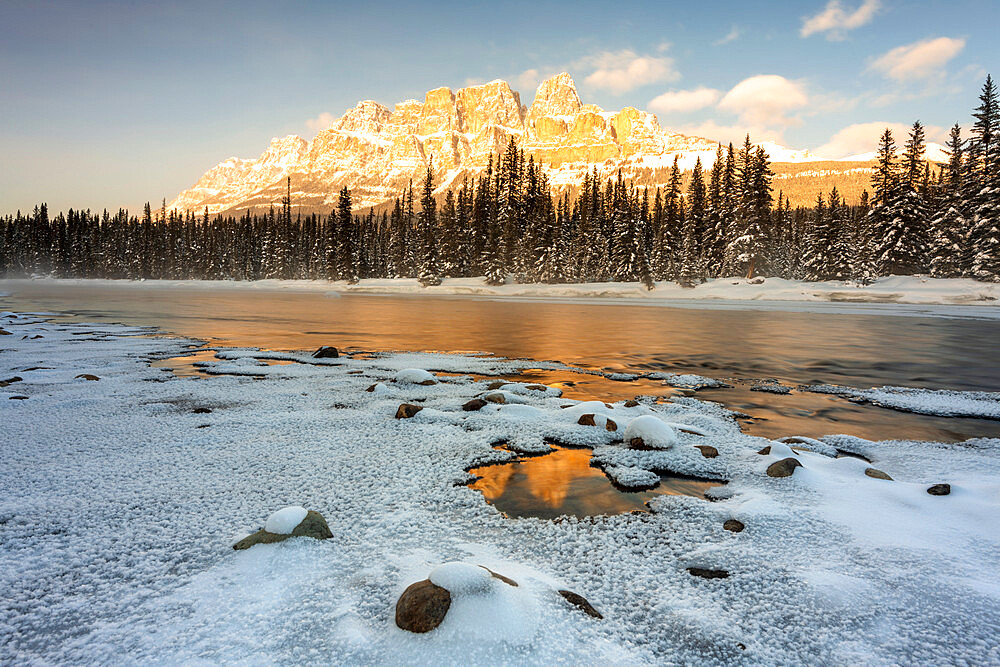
(202, 411)
(765, 451)
(407, 410)
(580, 603)
(495, 575)
(496, 397)
(474, 404)
(415, 376)
(10, 381)
(536, 387)
(708, 451)
(734, 526)
(877, 474)
(4, 333)
(631, 403)
(783, 468)
(422, 607)
(708, 574)
(88, 377)
(313, 525)
(589, 420)
(326, 352)
(648, 432)
(939, 490)
(493, 386)
(371, 388)
(18, 398)
(756, 281)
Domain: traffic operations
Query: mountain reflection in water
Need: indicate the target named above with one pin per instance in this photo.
(564, 484)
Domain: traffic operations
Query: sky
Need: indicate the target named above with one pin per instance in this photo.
(108, 104)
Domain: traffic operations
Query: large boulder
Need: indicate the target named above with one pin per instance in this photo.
(285, 523)
(326, 352)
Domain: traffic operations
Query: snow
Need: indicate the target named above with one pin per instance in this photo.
(941, 402)
(284, 521)
(117, 514)
(631, 477)
(654, 432)
(461, 578)
(414, 376)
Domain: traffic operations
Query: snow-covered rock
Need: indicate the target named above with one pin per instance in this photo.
(284, 521)
(649, 432)
(415, 376)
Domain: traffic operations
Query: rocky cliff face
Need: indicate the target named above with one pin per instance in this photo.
(376, 151)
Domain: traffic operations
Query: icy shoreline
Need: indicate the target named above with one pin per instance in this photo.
(120, 503)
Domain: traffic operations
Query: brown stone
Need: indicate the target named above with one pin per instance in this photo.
(939, 490)
(88, 377)
(371, 388)
(427, 383)
(493, 386)
(877, 474)
(765, 451)
(313, 525)
(10, 381)
(407, 410)
(326, 352)
(708, 574)
(496, 575)
(496, 398)
(783, 468)
(474, 404)
(18, 398)
(536, 387)
(4, 333)
(632, 403)
(734, 526)
(580, 603)
(202, 411)
(422, 607)
(708, 451)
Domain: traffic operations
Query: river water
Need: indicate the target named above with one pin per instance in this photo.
(850, 348)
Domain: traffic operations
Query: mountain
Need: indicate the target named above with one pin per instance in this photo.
(376, 151)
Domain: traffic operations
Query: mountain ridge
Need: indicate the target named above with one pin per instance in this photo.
(376, 152)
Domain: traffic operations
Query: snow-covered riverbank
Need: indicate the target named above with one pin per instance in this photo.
(122, 496)
(914, 290)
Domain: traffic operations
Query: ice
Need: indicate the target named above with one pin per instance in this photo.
(117, 513)
(284, 521)
(942, 402)
(631, 477)
(654, 432)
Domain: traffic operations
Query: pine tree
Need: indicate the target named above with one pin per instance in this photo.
(984, 177)
(950, 257)
(429, 271)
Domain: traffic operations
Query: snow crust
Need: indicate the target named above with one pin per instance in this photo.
(117, 515)
(942, 402)
(461, 578)
(414, 376)
(284, 521)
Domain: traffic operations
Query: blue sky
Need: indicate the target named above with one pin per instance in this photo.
(115, 103)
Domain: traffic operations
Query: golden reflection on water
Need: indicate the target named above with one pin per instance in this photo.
(564, 483)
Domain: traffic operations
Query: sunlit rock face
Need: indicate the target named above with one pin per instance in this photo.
(376, 152)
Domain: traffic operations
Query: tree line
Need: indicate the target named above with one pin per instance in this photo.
(507, 223)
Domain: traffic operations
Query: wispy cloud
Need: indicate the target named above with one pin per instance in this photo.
(683, 101)
(861, 138)
(731, 36)
(835, 21)
(920, 60)
(622, 71)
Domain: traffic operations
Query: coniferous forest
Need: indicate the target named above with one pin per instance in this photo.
(937, 219)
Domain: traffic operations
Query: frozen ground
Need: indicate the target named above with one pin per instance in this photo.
(119, 504)
(896, 295)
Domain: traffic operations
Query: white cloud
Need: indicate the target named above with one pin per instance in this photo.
(862, 138)
(765, 99)
(321, 122)
(621, 71)
(528, 79)
(731, 36)
(682, 101)
(835, 21)
(920, 60)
